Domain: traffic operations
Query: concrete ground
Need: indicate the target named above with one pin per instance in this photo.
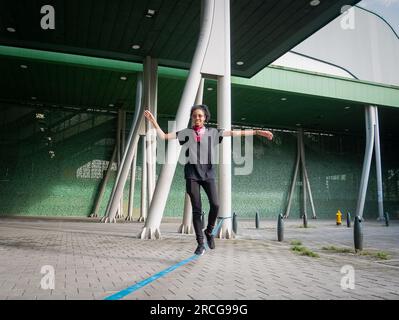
(92, 260)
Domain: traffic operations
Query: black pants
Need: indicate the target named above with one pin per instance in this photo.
(193, 190)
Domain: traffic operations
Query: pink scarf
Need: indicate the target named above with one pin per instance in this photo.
(198, 132)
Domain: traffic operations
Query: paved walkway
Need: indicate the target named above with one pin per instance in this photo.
(92, 260)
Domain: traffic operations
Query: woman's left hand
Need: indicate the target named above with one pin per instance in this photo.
(265, 133)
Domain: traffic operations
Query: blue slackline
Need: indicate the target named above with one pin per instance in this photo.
(138, 285)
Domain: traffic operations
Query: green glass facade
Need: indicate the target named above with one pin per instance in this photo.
(32, 182)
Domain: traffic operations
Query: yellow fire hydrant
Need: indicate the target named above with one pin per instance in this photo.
(339, 218)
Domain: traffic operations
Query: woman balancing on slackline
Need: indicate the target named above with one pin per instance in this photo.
(201, 142)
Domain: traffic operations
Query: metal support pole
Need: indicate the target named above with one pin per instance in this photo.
(290, 196)
(300, 160)
(132, 184)
(306, 182)
(154, 110)
(106, 218)
(304, 212)
(386, 217)
(118, 136)
(103, 185)
(370, 122)
(257, 220)
(310, 194)
(139, 94)
(125, 170)
(126, 162)
(235, 223)
(348, 219)
(280, 228)
(120, 212)
(143, 206)
(358, 234)
(119, 144)
(377, 152)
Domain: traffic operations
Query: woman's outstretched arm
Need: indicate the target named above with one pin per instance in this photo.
(164, 136)
(237, 133)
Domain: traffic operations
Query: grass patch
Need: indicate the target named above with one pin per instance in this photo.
(295, 243)
(379, 254)
(297, 248)
(382, 255)
(303, 251)
(338, 250)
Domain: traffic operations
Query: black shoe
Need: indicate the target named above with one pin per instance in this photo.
(200, 250)
(210, 239)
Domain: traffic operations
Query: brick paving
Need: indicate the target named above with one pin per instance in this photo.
(92, 260)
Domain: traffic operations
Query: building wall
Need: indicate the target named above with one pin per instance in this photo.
(34, 183)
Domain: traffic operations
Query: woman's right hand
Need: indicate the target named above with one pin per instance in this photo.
(149, 116)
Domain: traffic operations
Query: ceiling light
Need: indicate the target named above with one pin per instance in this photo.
(11, 29)
(150, 13)
(347, 108)
(283, 99)
(111, 105)
(314, 3)
(24, 66)
(239, 63)
(243, 118)
(123, 78)
(210, 89)
(135, 47)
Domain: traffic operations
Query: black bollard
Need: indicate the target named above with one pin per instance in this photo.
(234, 223)
(358, 234)
(280, 228)
(305, 221)
(386, 217)
(203, 220)
(348, 219)
(257, 220)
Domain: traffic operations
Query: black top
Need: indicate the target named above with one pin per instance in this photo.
(200, 157)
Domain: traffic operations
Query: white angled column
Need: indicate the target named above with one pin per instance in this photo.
(224, 114)
(377, 152)
(293, 183)
(151, 228)
(104, 184)
(132, 185)
(187, 223)
(120, 211)
(143, 203)
(224, 122)
(127, 158)
(150, 102)
(120, 153)
(370, 131)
